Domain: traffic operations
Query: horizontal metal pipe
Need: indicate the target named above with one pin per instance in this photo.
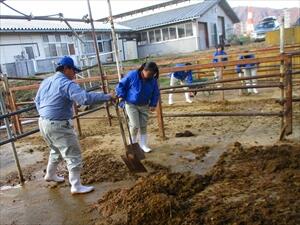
(19, 136)
(223, 114)
(17, 112)
(88, 112)
(25, 78)
(220, 81)
(43, 18)
(224, 88)
(37, 130)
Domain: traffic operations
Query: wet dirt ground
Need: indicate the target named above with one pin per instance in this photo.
(46, 203)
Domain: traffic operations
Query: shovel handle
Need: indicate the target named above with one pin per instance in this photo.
(121, 126)
(127, 125)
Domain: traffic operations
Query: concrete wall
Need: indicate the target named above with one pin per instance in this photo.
(182, 45)
(10, 45)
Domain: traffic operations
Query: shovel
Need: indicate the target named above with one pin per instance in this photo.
(132, 155)
(133, 147)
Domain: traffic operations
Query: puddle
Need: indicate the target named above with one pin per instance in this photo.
(8, 187)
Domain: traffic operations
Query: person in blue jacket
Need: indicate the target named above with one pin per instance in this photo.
(247, 70)
(139, 89)
(184, 77)
(54, 102)
(219, 56)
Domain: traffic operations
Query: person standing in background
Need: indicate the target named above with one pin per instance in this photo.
(219, 56)
(184, 77)
(248, 70)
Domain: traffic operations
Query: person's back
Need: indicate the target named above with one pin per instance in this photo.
(52, 101)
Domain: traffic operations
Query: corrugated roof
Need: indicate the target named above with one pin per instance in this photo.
(15, 25)
(178, 15)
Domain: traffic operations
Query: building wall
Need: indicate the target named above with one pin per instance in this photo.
(176, 46)
(192, 43)
(16, 62)
(211, 17)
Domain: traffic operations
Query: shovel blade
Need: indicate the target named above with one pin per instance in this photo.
(133, 164)
(135, 149)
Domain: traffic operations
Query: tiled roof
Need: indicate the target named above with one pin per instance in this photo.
(16, 25)
(178, 15)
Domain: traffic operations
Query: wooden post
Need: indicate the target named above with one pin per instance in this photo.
(160, 119)
(10, 135)
(14, 107)
(221, 78)
(8, 99)
(282, 72)
(77, 120)
(288, 113)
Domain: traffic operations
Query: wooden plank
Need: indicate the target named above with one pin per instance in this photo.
(289, 97)
(160, 119)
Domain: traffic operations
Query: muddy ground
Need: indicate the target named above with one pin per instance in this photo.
(256, 185)
(206, 178)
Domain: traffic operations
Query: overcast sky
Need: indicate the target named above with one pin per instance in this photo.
(78, 8)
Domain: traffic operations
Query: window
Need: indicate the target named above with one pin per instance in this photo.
(151, 36)
(99, 37)
(45, 38)
(52, 50)
(89, 48)
(58, 49)
(189, 29)
(173, 34)
(144, 38)
(29, 52)
(57, 38)
(51, 38)
(181, 30)
(213, 30)
(64, 49)
(72, 49)
(100, 46)
(157, 35)
(165, 32)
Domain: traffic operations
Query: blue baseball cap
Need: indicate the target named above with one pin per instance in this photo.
(68, 61)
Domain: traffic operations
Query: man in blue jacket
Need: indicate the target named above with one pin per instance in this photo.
(247, 70)
(54, 101)
(184, 77)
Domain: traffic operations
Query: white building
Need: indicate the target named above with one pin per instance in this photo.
(184, 29)
(33, 47)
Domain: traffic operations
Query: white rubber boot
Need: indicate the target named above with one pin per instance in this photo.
(188, 98)
(249, 90)
(171, 99)
(76, 187)
(255, 91)
(143, 143)
(51, 173)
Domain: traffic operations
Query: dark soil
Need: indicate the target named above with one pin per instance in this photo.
(186, 133)
(99, 168)
(256, 185)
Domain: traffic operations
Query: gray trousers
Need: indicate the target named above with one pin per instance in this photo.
(138, 118)
(62, 140)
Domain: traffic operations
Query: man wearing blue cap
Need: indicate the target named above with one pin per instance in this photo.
(54, 101)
